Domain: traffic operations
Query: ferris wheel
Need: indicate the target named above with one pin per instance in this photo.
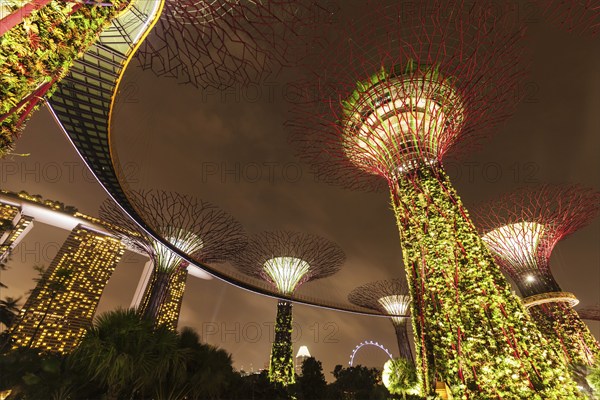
(368, 343)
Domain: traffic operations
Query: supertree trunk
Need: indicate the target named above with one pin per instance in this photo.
(40, 43)
(470, 330)
(155, 296)
(561, 324)
(403, 343)
(281, 368)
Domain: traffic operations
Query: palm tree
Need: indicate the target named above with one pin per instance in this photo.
(206, 371)
(29, 374)
(115, 353)
(9, 309)
(125, 356)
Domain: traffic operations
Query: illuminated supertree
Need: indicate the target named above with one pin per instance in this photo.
(220, 43)
(198, 228)
(578, 16)
(521, 229)
(398, 96)
(286, 260)
(390, 297)
(39, 41)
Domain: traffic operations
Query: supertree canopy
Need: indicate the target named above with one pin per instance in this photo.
(198, 228)
(389, 104)
(286, 260)
(389, 297)
(521, 229)
(39, 42)
(218, 44)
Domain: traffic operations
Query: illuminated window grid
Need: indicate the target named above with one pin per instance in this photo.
(21, 225)
(57, 315)
(8, 212)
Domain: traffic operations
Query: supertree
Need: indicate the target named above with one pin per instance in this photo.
(286, 260)
(392, 101)
(218, 44)
(200, 229)
(578, 16)
(39, 42)
(521, 229)
(389, 297)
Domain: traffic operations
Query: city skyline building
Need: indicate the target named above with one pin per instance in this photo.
(15, 226)
(302, 355)
(19, 211)
(62, 305)
(77, 268)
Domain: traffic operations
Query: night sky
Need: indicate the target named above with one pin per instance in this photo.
(232, 149)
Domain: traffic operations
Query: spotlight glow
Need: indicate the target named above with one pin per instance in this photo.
(286, 272)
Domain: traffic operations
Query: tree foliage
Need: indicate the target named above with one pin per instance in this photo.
(400, 377)
(122, 357)
(311, 384)
(356, 383)
(593, 378)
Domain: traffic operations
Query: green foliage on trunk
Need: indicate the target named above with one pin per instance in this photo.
(281, 368)
(40, 50)
(593, 379)
(563, 329)
(470, 330)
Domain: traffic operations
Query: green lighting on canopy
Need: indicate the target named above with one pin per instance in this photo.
(286, 272)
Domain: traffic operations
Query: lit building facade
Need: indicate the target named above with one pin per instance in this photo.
(62, 305)
(302, 355)
(15, 226)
